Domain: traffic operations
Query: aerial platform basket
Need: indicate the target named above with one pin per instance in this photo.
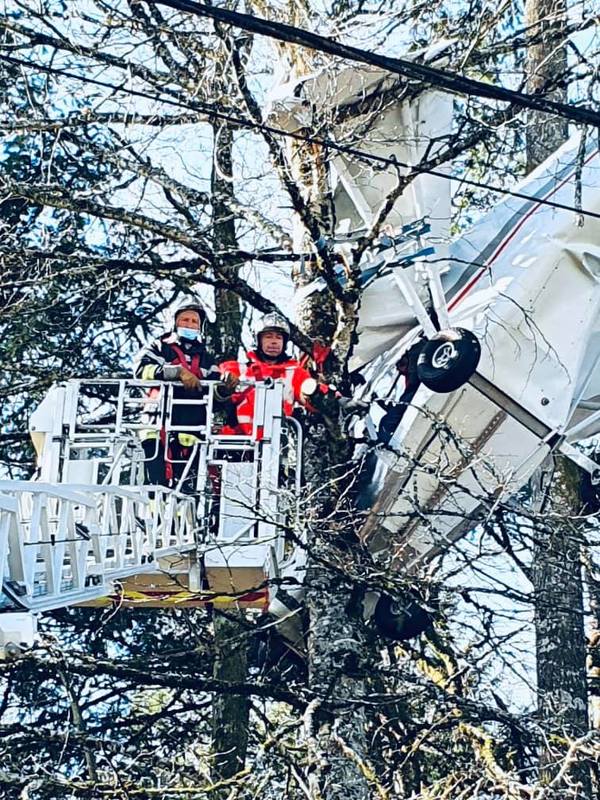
(88, 528)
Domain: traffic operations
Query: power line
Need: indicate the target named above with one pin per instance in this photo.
(432, 75)
(214, 111)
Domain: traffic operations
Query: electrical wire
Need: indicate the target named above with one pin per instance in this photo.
(214, 111)
(409, 69)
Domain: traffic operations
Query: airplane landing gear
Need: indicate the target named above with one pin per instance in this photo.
(448, 359)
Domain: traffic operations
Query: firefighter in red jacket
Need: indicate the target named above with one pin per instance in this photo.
(269, 360)
(178, 356)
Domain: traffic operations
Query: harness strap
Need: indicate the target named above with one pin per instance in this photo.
(182, 360)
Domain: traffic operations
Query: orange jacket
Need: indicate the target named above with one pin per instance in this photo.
(289, 370)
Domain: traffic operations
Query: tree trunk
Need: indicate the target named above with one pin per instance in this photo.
(338, 763)
(556, 569)
(560, 637)
(592, 580)
(337, 739)
(546, 64)
(230, 713)
(225, 336)
(338, 654)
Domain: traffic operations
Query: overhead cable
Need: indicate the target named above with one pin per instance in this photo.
(398, 66)
(215, 111)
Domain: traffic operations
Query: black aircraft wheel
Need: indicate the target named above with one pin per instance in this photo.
(448, 360)
(400, 620)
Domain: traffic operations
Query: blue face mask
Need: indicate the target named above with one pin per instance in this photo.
(187, 333)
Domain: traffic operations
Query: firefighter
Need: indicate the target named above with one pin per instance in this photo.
(268, 360)
(178, 356)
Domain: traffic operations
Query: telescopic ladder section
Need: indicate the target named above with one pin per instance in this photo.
(61, 545)
(89, 522)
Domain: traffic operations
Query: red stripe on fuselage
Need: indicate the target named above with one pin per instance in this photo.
(456, 300)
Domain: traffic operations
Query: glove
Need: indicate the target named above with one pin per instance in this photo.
(312, 396)
(189, 380)
(230, 381)
(226, 386)
(352, 406)
(308, 388)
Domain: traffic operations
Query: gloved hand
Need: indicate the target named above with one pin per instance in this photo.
(308, 389)
(352, 406)
(330, 402)
(226, 386)
(230, 381)
(189, 380)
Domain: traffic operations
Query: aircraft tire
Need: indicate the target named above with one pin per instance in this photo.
(399, 620)
(447, 361)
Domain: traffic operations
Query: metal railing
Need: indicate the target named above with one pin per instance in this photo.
(90, 519)
(61, 545)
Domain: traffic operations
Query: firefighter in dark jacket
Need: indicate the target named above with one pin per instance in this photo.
(178, 356)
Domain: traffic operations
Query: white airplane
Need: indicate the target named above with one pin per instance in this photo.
(503, 321)
(511, 375)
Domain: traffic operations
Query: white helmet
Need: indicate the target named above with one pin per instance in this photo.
(273, 322)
